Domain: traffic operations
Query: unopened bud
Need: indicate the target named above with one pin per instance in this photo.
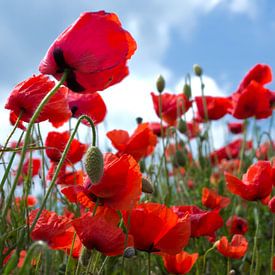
(181, 125)
(139, 120)
(147, 186)
(129, 252)
(160, 84)
(85, 256)
(187, 90)
(94, 164)
(197, 70)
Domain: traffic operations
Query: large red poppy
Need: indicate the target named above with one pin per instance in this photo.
(181, 263)
(211, 199)
(236, 249)
(140, 144)
(256, 184)
(119, 187)
(94, 49)
(56, 143)
(173, 106)
(87, 104)
(203, 223)
(216, 107)
(101, 232)
(27, 95)
(155, 228)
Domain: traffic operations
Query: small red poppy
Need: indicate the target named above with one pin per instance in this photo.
(56, 143)
(101, 232)
(119, 187)
(236, 127)
(271, 205)
(140, 144)
(94, 49)
(265, 150)
(211, 199)
(203, 223)
(216, 107)
(173, 106)
(87, 104)
(70, 178)
(155, 228)
(27, 95)
(21, 259)
(236, 249)
(31, 201)
(256, 184)
(156, 128)
(180, 263)
(35, 168)
(237, 225)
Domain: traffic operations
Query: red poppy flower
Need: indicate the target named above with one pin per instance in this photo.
(56, 143)
(27, 95)
(203, 223)
(212, 199)
(155, 228)
(56, 230)
(230, 151)
(20, 260)
(193, 129)
(254, 100)
(35, 167)
(216, 107)
(271, 205)
(31, 201)
(140, 144)
(237, 225)
(181, 263)
(236, 249)
(256, 184)
(87, 104)
(70, 178)
(13, 119)
(235, 127)
(173, 106)
(101, 232)
(156, 128)
(260, 73)
(231, 166)
(119, 187)
(94, 49)
(265, 150)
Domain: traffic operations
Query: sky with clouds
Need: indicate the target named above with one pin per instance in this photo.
(227, 37)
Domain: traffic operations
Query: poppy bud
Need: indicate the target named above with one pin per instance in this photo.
(160, 84)
(187, 90)
(181, 125)
(129, 252)
(94, 164)
(139, 120)
(147, 186)
(85, 256)
(197, 70)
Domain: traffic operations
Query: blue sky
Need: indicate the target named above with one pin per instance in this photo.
(227, 37)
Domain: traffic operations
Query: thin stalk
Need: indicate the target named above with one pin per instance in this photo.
(272, 244)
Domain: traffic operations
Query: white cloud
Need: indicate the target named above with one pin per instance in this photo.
(249, 7)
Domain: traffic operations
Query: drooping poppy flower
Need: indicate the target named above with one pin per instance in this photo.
(203, 223)
(56, 231)
(94, 50)
(230, 151)
(27, 95)
(13, 120)
(173, 106)
(236, 249)
(216, 107)
(236, 127)
(156, 128)
(155, 228)
(87, 104)
(260, 73)
(119, 187)
(211, 199)
(180, 263)
(31, 201)
(265, 150)
(254, 100)
(56, 143)
(237, 225)
(256, 184)
(101, 232)
(140, 144)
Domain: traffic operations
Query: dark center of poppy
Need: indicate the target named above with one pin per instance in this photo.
(62, 66)
(74, 110)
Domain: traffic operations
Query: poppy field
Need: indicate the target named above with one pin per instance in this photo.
(163, 199)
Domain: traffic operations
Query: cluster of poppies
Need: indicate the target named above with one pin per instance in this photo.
(123, 211)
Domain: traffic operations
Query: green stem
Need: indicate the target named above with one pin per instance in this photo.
(272, 244)
(256, 216)
(149, 263)
(204, 257)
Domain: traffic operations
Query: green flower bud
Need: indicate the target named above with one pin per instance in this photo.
(197, 70)
(160, 84)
